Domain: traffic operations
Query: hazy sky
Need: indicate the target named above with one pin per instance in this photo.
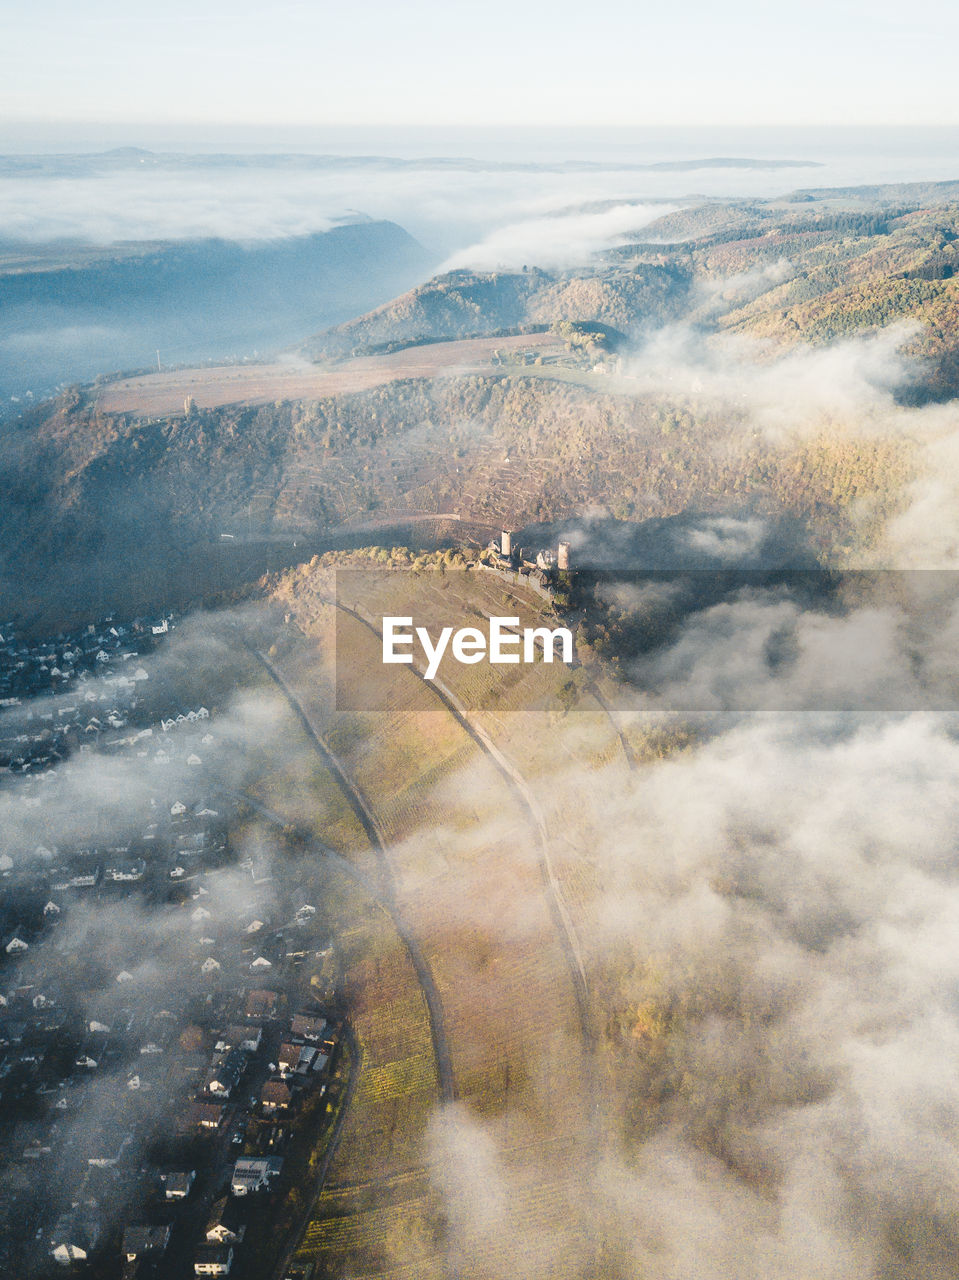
(500, 62)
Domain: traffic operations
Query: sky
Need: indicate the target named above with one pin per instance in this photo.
(505, 62)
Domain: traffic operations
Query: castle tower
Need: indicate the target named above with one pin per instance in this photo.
(507, 543)
(562, 556)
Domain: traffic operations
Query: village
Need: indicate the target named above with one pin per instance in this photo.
(170, 1027)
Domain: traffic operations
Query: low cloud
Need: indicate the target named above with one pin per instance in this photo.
(847, 384)
(772, 950)
(717, 293)
(560, 240)
(446, 204)
(725, 539)
(787, 892)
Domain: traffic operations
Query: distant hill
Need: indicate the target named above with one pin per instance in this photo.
(837, 272)
(925, 193)
(70, 312)
(811, 271)
(464, 304)
(126, 158)
(104, 510)
(110, 498)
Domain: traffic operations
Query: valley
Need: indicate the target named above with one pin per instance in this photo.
(588, 939)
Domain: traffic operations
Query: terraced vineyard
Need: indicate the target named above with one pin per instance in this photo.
(367, 1236)
(481, 858)
(465, 867)
(374, 1207)
(397, 1085)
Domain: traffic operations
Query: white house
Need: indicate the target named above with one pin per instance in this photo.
(254, 1174)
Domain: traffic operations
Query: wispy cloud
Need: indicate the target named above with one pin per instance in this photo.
(560, 240)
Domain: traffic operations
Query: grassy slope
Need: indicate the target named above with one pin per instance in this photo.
(462, 854)
(521, 445)
(512, 449)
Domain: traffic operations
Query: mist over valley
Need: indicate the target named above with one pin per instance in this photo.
(636, 966)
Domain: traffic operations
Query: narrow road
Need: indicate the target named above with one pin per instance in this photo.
(424, 975)
(355, 798)
(316, 1190)
(386, 899)
(566, 930)
(628, 754)
(592, 689)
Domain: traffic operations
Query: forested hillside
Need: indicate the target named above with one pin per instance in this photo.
(542, 437)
